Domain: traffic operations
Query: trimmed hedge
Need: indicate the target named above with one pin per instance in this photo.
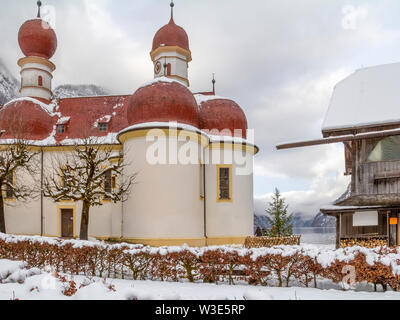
(279, 265)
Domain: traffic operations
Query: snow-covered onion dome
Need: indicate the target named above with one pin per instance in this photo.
(224, 116)
(163, 100)
(26, 119)
(37, 39)
(171, 35)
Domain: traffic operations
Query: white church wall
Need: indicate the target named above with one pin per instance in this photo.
(30, 76)
(165, 202)
(179, 65)
(23, 217)
(229, 219)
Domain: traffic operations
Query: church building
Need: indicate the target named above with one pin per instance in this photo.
(204, 203)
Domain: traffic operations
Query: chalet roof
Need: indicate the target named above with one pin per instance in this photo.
(370, 97)
(334, 209)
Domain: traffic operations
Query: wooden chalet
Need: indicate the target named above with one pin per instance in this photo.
(364, 115)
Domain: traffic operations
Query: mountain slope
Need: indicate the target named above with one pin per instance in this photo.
(70, 91)
(299, 221)
(9, 86)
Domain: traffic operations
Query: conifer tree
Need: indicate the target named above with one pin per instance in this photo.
(280, 222)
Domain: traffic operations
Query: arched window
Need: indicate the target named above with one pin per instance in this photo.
(40, 81)
(386, 150)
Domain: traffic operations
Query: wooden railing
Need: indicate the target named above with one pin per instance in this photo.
(259, 242)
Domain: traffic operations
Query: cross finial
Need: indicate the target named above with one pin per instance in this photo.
(172, 5)
(39, 4)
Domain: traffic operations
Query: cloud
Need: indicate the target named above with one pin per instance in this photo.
(280, 60)
(353, 16)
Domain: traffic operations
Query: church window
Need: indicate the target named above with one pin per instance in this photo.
(110, 183)
(40, 81)
(103, 127)
(60, 128)
(224, 182)
(386, 150)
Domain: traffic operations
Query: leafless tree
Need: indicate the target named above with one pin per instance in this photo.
(16, 157)
(91, 173)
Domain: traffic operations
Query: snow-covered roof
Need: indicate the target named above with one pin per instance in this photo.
(181, 126)
(63, 120)
(332, 207)
(369, 96)
(157, 80)
(200, 98)
(49, 108)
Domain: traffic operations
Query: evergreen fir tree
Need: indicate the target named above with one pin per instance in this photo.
(258, 232)
(278, 218)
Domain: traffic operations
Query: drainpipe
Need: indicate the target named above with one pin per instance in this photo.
(205, 202)
(41, 193)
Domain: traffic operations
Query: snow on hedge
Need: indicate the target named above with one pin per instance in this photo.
(324, 256)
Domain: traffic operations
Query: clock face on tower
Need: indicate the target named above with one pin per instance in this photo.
(157, 67)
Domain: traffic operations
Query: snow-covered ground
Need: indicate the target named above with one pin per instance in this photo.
(16, 282)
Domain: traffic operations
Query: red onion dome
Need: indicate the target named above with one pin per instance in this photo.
(223, 116)
(37, 39)
(163, 100)
(26, 119)
(171, 35)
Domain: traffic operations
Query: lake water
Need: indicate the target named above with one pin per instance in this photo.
(316, 235)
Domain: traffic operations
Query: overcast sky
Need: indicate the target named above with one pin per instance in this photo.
(279, 59)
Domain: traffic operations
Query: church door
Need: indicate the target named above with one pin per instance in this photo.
(67, 223)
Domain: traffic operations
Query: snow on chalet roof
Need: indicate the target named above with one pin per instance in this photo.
(368, 97)
(331, 207)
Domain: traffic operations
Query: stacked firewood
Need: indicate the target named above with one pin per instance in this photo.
(363, 242)
(259, 242)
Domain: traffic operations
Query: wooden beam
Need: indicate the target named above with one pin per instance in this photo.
(357, 137)
(365, 200)
(387, 175)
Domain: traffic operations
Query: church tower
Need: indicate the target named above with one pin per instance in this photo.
(38, 42)
(171, 54)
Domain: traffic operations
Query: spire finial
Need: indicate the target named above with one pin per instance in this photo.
(39, 4)
(213, 82)
(172, 5)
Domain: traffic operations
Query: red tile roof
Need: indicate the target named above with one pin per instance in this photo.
(35, 119)
(163, 101)
(85, 114)
(224, 116)
(37, 38)
(171, 35)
